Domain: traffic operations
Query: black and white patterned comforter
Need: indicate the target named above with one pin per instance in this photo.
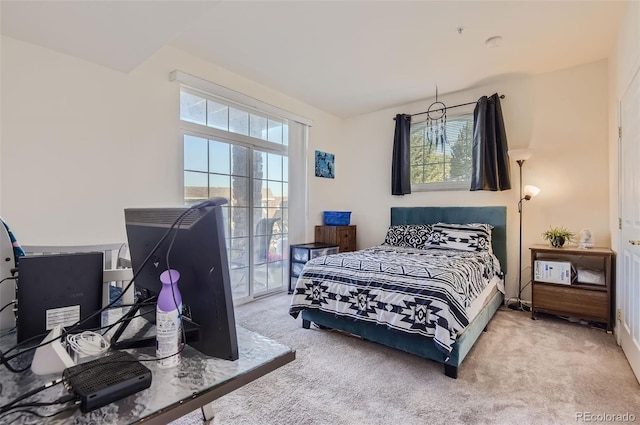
(419, 291)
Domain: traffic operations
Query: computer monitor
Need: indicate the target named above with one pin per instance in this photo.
(199, 254)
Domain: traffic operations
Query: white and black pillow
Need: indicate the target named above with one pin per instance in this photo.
(409, 236)
(418, 236)
(464, 237)
(395, 236)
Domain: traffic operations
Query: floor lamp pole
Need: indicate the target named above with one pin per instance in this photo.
(520, 243)
(518, 303)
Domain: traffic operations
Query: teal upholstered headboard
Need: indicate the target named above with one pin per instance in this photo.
(495, 216)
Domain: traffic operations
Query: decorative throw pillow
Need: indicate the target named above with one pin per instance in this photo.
(409, 235)
(463, 237)
(418, 236)
(395, 236)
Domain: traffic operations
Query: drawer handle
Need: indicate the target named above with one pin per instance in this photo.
(632, 242)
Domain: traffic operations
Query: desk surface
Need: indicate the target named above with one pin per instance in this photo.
(174, 392)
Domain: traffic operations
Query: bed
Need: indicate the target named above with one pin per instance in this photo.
(452, 296)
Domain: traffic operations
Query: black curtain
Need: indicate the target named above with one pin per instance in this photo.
(490, 163)
(400, 167)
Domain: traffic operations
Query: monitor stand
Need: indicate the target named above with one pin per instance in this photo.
(191, 330)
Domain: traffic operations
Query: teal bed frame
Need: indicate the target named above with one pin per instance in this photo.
(415, 344)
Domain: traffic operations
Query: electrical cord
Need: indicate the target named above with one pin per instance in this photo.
(526, 284)
(4, 360)
(8, 278)
(7, 305)
(9, 332)
(175, 302)
(31, 393)
(146, 260)
(64, 399)
(88, 343)
(140, 268)
(73, 406)
(107, 328)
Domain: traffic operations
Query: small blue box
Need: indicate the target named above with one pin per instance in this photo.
(337, 218)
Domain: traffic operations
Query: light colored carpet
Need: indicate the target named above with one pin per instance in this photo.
(520, 371)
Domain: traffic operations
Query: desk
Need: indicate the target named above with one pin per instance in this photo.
(174, 392)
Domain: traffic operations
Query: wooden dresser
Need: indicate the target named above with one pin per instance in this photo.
(343, 236)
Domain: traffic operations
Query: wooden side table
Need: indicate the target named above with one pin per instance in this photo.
(343, 236)
(586, 292)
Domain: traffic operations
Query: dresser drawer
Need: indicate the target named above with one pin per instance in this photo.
(296, 269)
(322, 252)
(570, 301)
(299, 254)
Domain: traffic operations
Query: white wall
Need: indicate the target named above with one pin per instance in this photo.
(81, 142)
(562, 115)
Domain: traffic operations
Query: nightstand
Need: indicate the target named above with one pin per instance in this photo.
(572, 282)
(343, 236)
(301, 253)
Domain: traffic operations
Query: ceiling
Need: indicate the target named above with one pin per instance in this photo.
(344, 57)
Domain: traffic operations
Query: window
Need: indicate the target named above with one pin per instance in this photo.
(241, 155)
(196, 109)
(441, 153)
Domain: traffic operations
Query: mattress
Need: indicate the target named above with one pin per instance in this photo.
(495, 285)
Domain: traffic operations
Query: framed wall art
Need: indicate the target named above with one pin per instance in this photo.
(325, 165)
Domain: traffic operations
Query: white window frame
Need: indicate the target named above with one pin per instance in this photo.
(297, 132)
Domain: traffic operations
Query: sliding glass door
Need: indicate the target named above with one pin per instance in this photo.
(255, 182)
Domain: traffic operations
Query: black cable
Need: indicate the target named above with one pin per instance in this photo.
(64, 399)
(153, 250)
(135, 275)
(107, 328)
(7, 305)
(9, 332)
(40, 415)
(175, 302)
(123, 318)
(9, 278)
(4, 360)
(28, 394)
(527, 284)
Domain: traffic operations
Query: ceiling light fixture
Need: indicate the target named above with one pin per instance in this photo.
(494, 41)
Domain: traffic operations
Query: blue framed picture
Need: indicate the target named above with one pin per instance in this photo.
(325, 166)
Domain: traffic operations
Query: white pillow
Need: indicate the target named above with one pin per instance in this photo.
(464, 237)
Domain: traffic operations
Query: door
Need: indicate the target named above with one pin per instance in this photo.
(628, 286)
(255, 182)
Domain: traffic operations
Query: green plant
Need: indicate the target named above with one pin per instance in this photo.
(557, 236)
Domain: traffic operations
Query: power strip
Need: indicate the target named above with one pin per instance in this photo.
(107, 379)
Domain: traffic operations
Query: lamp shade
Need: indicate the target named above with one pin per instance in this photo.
(520, 154)
(530, 191)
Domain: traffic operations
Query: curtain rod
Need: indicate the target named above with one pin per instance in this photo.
(447, 107)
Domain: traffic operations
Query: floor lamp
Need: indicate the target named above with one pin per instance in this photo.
(526, 193)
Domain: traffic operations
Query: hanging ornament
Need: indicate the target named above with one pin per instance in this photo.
(437, 122)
